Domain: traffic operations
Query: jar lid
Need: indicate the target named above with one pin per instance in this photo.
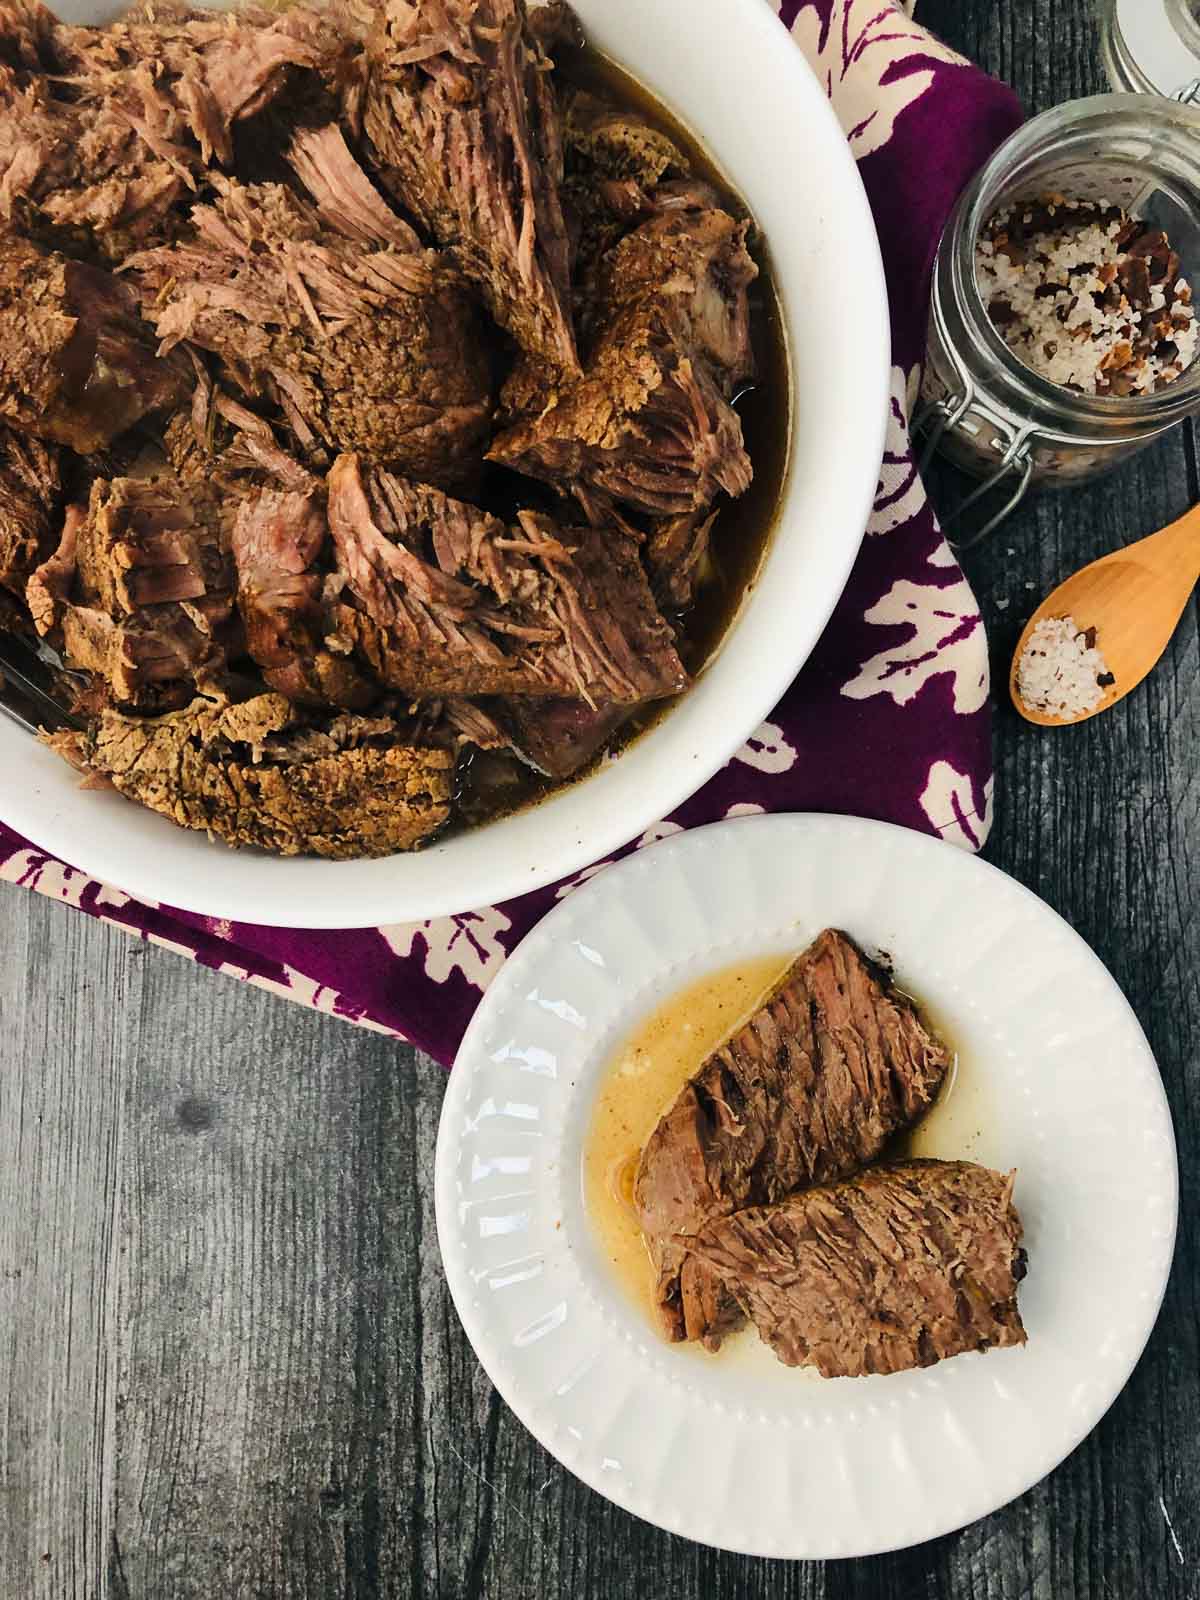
(1158, 48)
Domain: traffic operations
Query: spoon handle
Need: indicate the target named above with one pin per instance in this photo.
(1184, 540)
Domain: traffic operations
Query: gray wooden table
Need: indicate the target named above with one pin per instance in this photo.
(229, 1367)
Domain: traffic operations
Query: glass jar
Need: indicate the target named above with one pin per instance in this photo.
(1152, 46)
(980, 404)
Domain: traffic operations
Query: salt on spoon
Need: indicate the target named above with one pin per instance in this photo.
(1111, 621)
(1060, 672)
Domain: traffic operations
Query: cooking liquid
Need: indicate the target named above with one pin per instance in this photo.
(958, 1124)
(653, 1063)
(639, 1083)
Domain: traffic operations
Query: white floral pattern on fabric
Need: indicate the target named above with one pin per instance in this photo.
(901, 494)
(768, 750)
(857, 61)
(470, 944)
(946, 637)
(954, 807)
(33, 869)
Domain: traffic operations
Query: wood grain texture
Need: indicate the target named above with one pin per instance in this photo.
(68, 992)
(230, 1367)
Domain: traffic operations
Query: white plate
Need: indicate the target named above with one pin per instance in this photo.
(730, 71)
(737, 1450)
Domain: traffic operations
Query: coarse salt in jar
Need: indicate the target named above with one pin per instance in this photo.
(1152, 46)
(985, 407)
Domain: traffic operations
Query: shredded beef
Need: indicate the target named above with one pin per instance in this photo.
(345, 197)
(330, 313)
(215, 441)
(104, 132)
(260, 774)
(811, 1089)
(614, 162)
(140, 591)
(84, 179)
(77, 366)
(676, 556)
(554, 24)
(27, 43)
(463, 128)
(30, 498)
(649, 425)
(48, 589)
(277, 540)
(898, 1268)
(233, 62)
(447, 600)
(368, 349)
(646, 427)
(692, 263)
(471, 723)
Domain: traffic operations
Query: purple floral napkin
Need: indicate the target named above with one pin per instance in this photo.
(889, 719)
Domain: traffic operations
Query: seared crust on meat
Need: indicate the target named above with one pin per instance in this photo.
(258, 774)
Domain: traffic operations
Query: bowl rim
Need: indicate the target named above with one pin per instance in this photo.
(601, 812)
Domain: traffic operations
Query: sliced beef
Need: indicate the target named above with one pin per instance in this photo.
(811, 1089)
(77, 365)
(371, 349)
(103, 142)
(447, 600)
(139, 591)
(900, 1267)
(260, 773)
(278, 539)
(463, 128)
(649, 425)
(30, 503)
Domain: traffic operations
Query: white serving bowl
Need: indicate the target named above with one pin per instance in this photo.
(729, 72)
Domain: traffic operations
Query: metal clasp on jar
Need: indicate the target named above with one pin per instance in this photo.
(967, 415)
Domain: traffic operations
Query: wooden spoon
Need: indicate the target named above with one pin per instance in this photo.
(1134, 599)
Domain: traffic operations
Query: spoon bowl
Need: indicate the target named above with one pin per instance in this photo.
(1133, 599)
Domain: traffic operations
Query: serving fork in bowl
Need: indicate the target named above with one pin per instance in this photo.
(29, 693)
